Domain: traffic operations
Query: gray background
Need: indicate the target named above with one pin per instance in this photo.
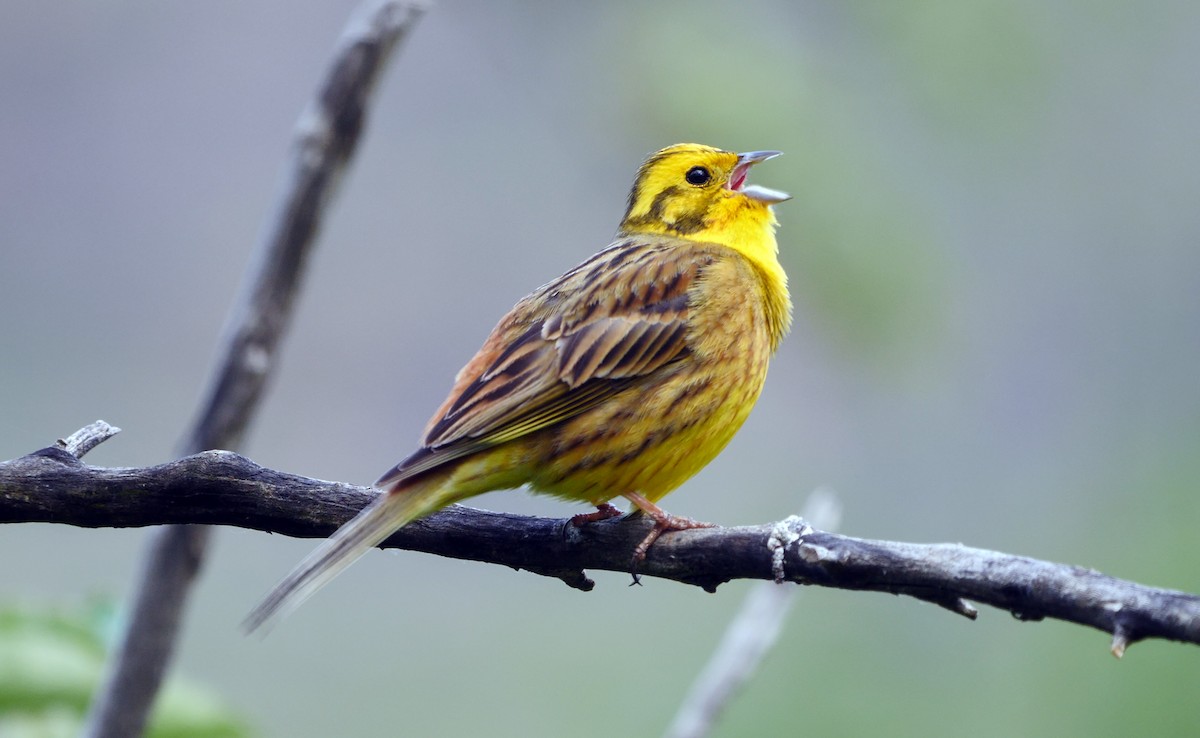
(993, 248)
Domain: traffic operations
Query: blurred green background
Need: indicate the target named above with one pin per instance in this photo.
(994, 248)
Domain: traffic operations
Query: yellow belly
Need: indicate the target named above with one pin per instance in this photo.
(679, 426)
(663, 428)
(659, 433)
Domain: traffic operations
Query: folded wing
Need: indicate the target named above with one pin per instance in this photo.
(610, 322)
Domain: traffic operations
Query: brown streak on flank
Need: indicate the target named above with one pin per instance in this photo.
(591, 462)
(567, 445)
(687, 424)
(553, 479)
(622, 415)
(689, 390)
(652, 439)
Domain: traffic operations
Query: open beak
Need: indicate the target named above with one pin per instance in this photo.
(737, 178)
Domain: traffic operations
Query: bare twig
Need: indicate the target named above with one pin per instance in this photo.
(754, 630)
(326, 137)
(223, 488)
(87, 438)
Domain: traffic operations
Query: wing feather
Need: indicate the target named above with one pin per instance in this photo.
(569, 346)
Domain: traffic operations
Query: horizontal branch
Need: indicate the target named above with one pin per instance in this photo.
(223, 488)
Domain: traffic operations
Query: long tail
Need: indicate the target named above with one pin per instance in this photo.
(388, 513)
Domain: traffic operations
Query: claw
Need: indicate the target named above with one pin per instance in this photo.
(604, 511)
(663, 522)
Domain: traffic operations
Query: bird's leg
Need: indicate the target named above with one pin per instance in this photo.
(663, 522)
(604, 511)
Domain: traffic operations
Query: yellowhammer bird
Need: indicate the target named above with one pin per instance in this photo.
(623, 377)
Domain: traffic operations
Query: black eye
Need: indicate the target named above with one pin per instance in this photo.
(697, 176)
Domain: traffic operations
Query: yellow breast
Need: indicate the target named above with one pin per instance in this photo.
(664, 428)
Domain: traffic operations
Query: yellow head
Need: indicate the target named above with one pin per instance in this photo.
(700, 193)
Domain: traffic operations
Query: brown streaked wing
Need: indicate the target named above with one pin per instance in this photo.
(625, 346)
(567, 348)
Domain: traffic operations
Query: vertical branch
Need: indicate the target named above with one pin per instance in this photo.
(752, 632)
(325, 138)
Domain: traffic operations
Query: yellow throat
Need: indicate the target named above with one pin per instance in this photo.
(712, 203)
